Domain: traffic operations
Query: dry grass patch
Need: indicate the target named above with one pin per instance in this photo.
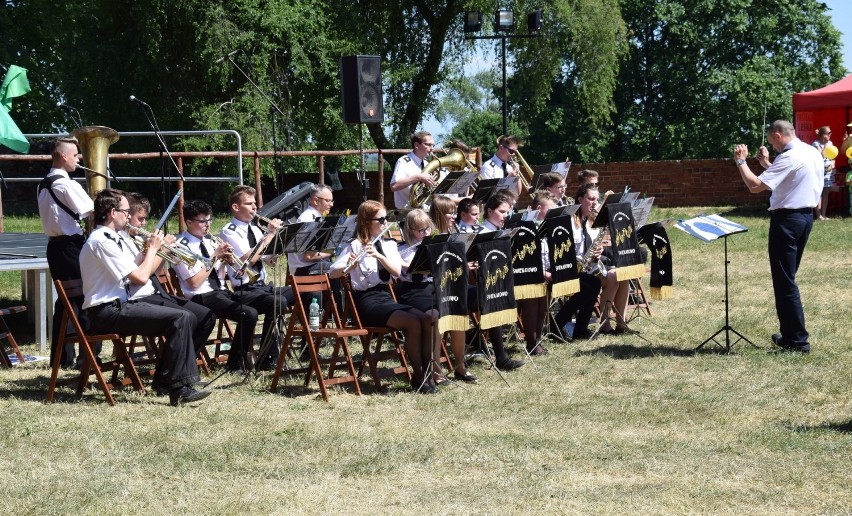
(609, 426)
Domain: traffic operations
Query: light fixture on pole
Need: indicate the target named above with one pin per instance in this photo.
(504, 26)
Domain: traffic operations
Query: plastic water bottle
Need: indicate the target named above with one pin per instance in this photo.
(314, 315)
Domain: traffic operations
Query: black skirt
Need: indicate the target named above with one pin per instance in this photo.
(420, 295)
(376, 305)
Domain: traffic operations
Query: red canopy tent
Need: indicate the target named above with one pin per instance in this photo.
(831, 106)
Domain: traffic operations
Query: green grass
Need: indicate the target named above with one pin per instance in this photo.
(615, 425)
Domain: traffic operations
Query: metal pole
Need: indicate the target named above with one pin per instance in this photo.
(505, 103)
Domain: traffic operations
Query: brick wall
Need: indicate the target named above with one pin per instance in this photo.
(674, 183)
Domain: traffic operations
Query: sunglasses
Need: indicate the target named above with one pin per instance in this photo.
(510, 150)
(381, 220)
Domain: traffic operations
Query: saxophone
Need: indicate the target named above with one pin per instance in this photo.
(587, 264)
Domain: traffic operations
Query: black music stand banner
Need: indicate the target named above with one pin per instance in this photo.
(496, 293)
(526, 262)
(449, 270)
(563, 255)
(625, 245)
(655, 237)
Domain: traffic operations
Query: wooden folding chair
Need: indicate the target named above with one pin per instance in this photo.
(340, 332)
(5, 333)
(74, 288)
(371, 358)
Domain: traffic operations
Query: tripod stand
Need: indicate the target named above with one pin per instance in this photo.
(727, 328)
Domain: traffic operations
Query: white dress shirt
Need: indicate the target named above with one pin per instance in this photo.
(406, 166)
(105, 262)
(54, 220)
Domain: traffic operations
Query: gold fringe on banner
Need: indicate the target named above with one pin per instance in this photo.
(500, 318)
(530, 291)
(630, 272)
(661, 293)
(452, 323)
(566, 288)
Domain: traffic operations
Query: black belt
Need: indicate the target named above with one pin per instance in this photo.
(115, 302)
(785, 211)
(64, 237)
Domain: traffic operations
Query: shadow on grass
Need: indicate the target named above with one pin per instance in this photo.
(628, 351)
(757, 212)
(35, 389)
(843, 428)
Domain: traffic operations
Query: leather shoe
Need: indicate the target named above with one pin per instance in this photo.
(581, 334)
(509, 364)
(186, 395)
(162, 391)
(779, 341)
(421, 387)
(465, 377)
(539, 350)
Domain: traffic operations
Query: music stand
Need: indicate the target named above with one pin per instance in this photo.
(484, 190)
(552, 214)
(708, 228)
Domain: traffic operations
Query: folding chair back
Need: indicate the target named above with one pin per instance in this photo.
(74, 288)
(5, 333)
(331, 326)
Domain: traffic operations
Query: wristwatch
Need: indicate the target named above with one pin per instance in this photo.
(739, 162)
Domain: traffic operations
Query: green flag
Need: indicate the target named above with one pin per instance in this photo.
(14, 85)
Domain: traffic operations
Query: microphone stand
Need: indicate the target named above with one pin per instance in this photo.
(272, 110)
(152, 122)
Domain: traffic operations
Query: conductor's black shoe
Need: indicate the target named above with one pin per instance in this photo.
(186, 395)
(465, 377)
(508, 364)
(778, 340)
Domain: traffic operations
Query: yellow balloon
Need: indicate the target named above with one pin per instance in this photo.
(830, 152)
(849, 153)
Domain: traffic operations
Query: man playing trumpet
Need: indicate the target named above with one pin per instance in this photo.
(206, 286)
(243, 235)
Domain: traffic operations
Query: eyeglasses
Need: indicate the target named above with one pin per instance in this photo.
(422, 231)
(126, 211)
(203, 221)
(381, 220)
(427, 144)
(330, 201)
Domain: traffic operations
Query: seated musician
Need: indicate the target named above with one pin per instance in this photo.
(443, 214)
(243, 235)
(533, 311)
(139, 209)
(554, 183)
(496, 212)
(502, 163)
(119, 297)
(419, 291)
(582, 303)
(467, 216)
(370, 262)
(207, 286)
(587, 177)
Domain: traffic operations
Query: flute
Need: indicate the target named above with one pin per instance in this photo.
(360, 256)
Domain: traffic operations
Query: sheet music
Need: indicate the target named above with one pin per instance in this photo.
(642, 210)
(561, 169)
(463, 184)
(507, 183)
(710, 227)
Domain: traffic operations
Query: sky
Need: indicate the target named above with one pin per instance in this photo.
(836, 9)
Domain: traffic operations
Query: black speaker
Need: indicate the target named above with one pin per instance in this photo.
(361, 86)
(289, 205)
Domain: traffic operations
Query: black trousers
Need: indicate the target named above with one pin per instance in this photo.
(788, 234)
(581, 303)
(204, 317)
(269, 301)
(176, 366)
(63, 261)
(227, 304)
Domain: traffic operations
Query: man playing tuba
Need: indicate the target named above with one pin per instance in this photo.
(409, 169)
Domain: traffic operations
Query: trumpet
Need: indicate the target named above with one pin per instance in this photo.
(233, 260)
(174, 254)
(265, 220)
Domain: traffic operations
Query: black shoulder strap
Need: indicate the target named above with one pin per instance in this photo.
(47, 183)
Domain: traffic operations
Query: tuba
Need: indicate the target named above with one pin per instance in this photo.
(420, 192)
(94, 144)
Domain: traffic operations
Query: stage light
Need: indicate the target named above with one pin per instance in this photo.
(472, 22)
(504, 21)
(534, 21)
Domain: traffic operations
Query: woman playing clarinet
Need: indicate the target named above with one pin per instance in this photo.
(370, 262)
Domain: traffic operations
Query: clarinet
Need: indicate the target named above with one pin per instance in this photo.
(360, 256)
